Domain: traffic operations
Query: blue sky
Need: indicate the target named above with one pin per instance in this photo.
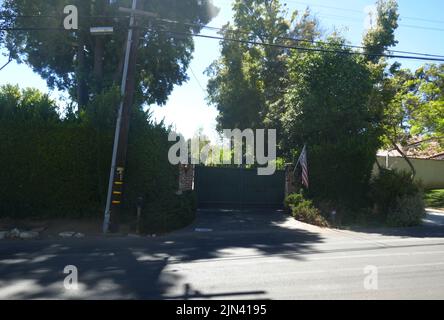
(421, 30)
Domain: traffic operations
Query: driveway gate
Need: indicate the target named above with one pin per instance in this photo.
(238, 188)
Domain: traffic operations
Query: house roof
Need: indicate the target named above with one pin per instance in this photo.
(419, 149)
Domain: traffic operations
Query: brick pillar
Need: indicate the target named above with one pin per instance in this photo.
(186, 178)
(289, 180)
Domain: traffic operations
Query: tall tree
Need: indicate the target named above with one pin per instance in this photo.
(247, 78)
(327, 107)
(84, 64)
(382, 36)
(425, 101)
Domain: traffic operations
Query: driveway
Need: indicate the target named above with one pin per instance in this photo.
(233, 255)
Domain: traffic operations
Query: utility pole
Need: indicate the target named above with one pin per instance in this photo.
(117, 174)
(118, 163)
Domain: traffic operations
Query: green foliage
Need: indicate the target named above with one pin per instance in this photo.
(26, 105)
(434, 198)
(414, 104)
(247, 78)
(397, 197)
(55, 168)
(382, 36)
(293, 199)
(86, 65)
(333, 102)
(332, 115)
(408, 211)
(304, 210)
(170, 212)
(424, 99)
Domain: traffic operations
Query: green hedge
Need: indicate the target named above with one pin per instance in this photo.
(49, 170)
(59, 168)
(171, 213)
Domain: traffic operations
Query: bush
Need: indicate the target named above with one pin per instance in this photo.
(397, 198)
(171, 213)
(340, 172)
(304, 210)
(293, 200)
(59, 168)
(409, 211)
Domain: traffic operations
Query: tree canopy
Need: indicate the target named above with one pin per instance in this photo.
(247, 77)
(86, 65)
(321, 93)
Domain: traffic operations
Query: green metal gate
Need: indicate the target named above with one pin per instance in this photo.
(238, 188)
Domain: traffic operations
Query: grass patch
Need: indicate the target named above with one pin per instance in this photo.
(434, 198)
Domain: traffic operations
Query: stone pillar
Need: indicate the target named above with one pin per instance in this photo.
(186, 178)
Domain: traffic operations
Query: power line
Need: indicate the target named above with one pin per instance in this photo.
(360, 12)
(302, 40)
(6, 64)
(331, 16)
(281, 38)
(198, 82)
(35, 29)
(431, 57)
(307, 49)
(323, 42)
(421, 27)
(357, 20)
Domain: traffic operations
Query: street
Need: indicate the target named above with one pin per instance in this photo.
(234, 255)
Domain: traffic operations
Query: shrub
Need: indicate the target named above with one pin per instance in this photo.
(59, 168)
(293, 199)
(170, 213)
(397, 198)
(304, 210)
(409, 211)
(340, 172)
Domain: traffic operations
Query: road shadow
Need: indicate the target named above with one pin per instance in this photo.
(267, 232)
(137, 268)
(432, 227)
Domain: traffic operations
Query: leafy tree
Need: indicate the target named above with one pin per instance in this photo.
(27, 104)
(382, 36)
(425, 101)
(327, 107)
(414, 107)
(86, 65)
(247, 78)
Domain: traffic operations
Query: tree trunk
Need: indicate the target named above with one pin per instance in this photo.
(405, 158)
(118, 74)
(82, 87)
(99, 51)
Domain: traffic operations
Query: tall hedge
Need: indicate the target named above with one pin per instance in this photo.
(56, 167)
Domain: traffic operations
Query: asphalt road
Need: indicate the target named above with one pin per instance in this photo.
(234, 255)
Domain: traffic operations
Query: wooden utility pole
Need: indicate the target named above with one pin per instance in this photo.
(118, 163)
(117, 175)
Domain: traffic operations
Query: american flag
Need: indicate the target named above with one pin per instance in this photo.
(304, 165)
